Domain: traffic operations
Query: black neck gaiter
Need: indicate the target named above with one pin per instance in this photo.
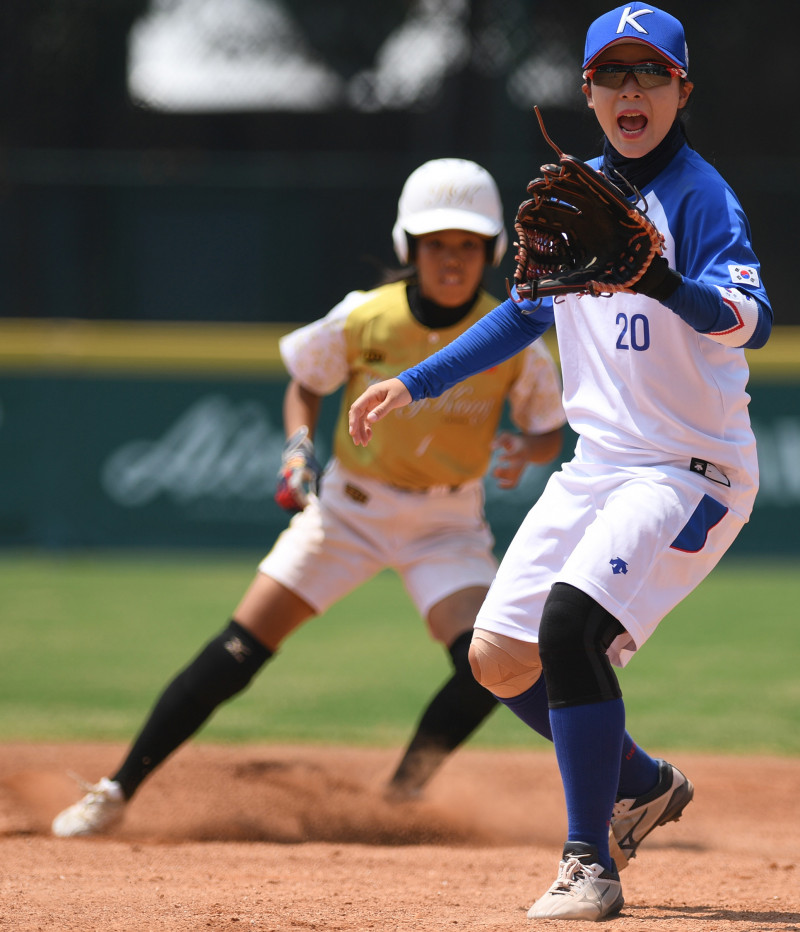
(640, 172)
(433, 315)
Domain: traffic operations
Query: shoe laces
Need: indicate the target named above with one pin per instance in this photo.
(83, 784)
(94, 791)
(570, 872)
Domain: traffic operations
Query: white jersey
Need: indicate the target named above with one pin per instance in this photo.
(640, 385)
(639, 407)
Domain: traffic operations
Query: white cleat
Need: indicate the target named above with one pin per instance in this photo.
(100, 810)
(583, 890)
(633, 819)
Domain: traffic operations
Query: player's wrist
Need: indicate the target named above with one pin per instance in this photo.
(299, 473)
(298, 443)
(659, 281)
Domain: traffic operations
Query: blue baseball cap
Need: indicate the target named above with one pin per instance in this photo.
(638, 22)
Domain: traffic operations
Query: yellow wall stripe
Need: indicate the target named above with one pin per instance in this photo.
(165, 348)
(108, 347)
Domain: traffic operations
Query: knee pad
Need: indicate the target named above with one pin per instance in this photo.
(574, 634)
(504, 665)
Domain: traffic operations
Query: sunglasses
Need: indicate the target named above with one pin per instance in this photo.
(648, 74)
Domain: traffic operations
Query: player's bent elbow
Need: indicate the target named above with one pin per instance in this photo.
(546, 447)
(761, 334)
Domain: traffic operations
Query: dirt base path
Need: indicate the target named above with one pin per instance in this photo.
(283, 839)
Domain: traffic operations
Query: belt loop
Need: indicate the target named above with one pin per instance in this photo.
(356, 494)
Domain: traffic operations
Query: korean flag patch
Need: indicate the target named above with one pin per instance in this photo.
(743, 275)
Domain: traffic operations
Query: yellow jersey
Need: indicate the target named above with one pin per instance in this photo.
(371, 336)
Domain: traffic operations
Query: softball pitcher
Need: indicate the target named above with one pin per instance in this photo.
(413, 501)
(664, 473)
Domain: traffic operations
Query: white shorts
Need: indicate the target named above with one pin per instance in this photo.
(438, 541)
(637, 540)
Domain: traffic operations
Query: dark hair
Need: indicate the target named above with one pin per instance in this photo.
(389, 275)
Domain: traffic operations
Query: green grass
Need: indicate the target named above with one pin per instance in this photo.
(89, 640)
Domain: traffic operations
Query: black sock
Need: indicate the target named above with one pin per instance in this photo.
(450, 718)
(222, 669)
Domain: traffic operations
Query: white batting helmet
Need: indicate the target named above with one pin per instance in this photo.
(449, 194)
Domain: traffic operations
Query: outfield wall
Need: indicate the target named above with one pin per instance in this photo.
(169, 435)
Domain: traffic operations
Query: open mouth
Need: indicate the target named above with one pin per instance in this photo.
(632, 122)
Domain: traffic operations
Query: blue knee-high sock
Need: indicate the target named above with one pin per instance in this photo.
(531, 708)
(588, 741)
(638, 772)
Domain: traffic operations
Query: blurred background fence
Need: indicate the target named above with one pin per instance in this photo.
(182, 180)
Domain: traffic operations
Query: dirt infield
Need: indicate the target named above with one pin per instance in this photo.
(292, 838)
